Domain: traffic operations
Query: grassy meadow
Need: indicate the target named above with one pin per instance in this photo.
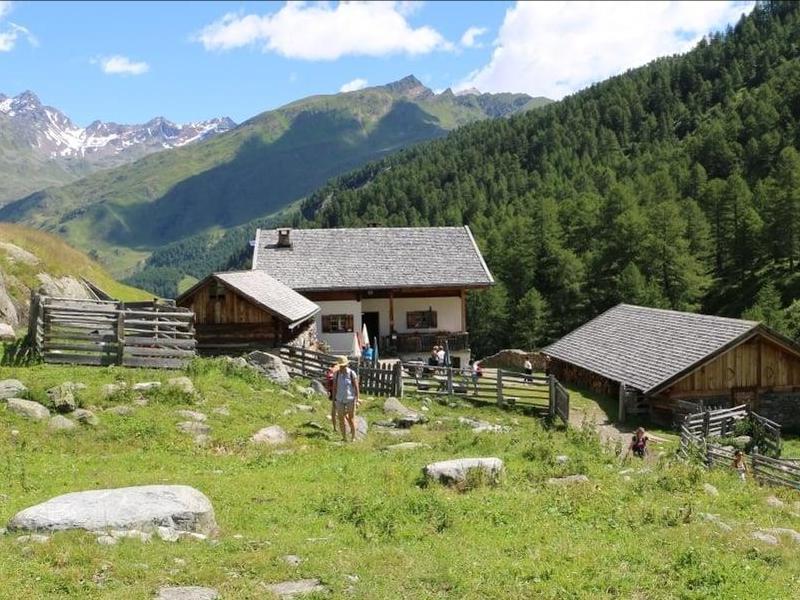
(361, 519)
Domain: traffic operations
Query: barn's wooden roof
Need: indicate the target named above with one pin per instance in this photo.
(266, 292)
(648, 347)
(373, 258)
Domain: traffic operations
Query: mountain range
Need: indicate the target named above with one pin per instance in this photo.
(251, 171)
(40, 146)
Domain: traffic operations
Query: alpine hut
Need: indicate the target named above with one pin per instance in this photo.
(669, 363)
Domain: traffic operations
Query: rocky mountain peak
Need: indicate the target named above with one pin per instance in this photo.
(409, 87)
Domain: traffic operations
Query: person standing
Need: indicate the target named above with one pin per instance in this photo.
(346, 393)
(528, 368)
(740, 465)
(638, 443)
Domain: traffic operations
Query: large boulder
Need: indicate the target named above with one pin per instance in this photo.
(318, 387)
(28, 408)
(140, 508)
(273, 435)
(85, 417)
(270, 366)
(12, 388)
(61, 423)
(362, 427)
(457, 470)
(63, 287)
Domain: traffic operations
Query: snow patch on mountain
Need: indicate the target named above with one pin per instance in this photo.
(50, 131)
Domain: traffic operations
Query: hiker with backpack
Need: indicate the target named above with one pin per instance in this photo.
(345, 396)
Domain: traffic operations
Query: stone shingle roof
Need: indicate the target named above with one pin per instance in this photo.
(270, 294)
(373, 258)
(646, 347)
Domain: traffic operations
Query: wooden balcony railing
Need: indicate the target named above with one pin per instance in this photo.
(424, 342)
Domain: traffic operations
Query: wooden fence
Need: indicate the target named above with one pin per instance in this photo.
(392, 378)
(102, 332)
(697, 428)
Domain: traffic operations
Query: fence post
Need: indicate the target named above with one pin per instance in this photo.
(706, 423)
(302, 362)
(398, 379)
(551, 385)
(120, 336)
(500, 400)
(621, 408)
(449, 381)
(754, 461)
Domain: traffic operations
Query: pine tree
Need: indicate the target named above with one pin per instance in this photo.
(532, 321)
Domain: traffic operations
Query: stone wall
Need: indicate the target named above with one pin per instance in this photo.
(514, 359)
(781, 407)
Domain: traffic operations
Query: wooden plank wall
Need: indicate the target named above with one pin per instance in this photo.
(756, 363)
(97, 332)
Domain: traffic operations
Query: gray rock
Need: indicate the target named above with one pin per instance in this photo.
(28, 408)
(716, 520)
(63, 287)
(482, 426)
(742, 440)
(774, 502)
(6, 333)
(762, 536)
(562, 459)
(270, 366)
(273, 435)
(784, 531)
(304, 407)
(319, 388)
(393, 406)
(187, 593)
(457, 470)
(222, 410)
(239, 361)
(107, 540)
(146, 386)
(362, 427)
(184, 384)
(12, 388)
(122, 411)
(301, 587)
(710, 489)
(405, 417)
(167, 534)
(85, 417)
(131, 534)
(110, 389)
(202, 440)
(194, 428)
(406, 446)
(292, 560)
(568, 480)
(36, 538)
(138, 508)
(61, 423)
(63, 397)
(192, 415)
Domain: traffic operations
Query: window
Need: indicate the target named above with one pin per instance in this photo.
(216, 291)
(421, 319)
(337, 323)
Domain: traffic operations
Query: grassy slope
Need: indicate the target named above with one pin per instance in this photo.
(58, 259)
(254, 170)
(356, 510)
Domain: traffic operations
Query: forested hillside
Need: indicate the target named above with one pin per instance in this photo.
(673, 185)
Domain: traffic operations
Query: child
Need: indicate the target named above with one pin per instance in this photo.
(329, 375)
(639, 443)
(740, 464)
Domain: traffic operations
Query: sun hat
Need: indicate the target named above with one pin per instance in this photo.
(342, 361)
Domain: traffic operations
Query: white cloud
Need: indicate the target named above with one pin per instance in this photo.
(469, 39)
(326, 32)
(122, 65)
(10, 33)
(555, 48)
(352, 86)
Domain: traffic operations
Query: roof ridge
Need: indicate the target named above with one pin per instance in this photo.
(683, 312)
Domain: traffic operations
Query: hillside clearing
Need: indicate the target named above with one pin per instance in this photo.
(357, 516)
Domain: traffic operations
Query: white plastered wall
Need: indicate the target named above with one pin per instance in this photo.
(340, 343)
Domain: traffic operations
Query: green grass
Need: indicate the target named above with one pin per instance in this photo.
(357, 510)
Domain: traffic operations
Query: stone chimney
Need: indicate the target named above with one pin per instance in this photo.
(284, 241)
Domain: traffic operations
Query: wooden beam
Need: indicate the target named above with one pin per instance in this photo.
(391, 312)
(463, 310)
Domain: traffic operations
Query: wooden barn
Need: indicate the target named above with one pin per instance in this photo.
(247, 309)
(668, 363)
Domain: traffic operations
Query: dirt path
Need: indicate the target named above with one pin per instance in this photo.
(610, 433)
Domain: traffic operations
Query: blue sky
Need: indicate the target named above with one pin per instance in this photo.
(129, 62)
